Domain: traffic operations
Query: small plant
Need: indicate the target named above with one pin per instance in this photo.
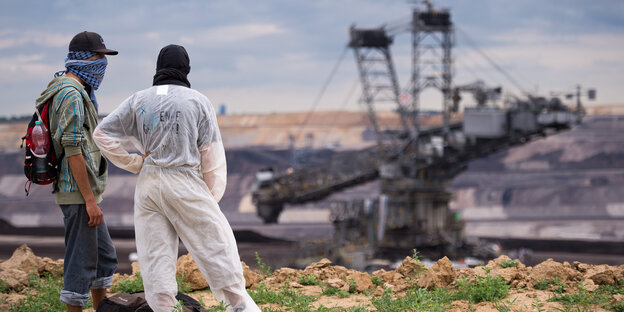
(183, 286)
(484, 288)
(504, 306)
(571, 309)
(582, 298)
(352, 286)
(377, 281)
(333, 291)
(129, 285)
(537, 305)
(509, 264)
(285, 297)
(437, 300)
(386, 302)
(262, 267)
(44, 297)
(201, 301)
(617, 307)
(179, 307)
(220, 307)
(558, 285)
(308, 280)
(542, 284)
(4, 287)
(136, 284)
(416, 255)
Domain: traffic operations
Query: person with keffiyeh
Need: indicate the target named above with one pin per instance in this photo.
(90, 257)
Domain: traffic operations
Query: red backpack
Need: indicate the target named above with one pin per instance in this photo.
(42, 175)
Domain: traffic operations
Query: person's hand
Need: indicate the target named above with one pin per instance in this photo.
(146, 154)
(96, 217)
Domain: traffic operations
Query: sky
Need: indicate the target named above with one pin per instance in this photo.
(276, 55)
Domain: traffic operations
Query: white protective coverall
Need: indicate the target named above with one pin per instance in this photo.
(177, 192)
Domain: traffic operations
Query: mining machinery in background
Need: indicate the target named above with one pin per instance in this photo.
(413, 164)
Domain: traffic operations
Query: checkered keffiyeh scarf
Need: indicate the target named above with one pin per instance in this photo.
(90, 71)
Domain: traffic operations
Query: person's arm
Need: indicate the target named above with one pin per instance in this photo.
(213, 163)
(114, 152)
(118, 126)
(214, 168)
(78, 169)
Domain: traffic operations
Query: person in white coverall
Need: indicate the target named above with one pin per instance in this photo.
(182, 176)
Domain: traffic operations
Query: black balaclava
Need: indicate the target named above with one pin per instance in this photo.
(172, 66)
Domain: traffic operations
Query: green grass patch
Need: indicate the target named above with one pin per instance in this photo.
(183, 286)
(308, 279)
(558, 286)
(322, 308)
(43, 297)
(504, 306)
(4, 287)
(352, 286)
(129, 285)
(284, 297)
(437, 300)
(333, 291)
(509, 264)
(136, 284)
(220, 307)
(377, 281)
(586, 299)
(542, 284)
(484, 288)
(554, 284)
(618, 307)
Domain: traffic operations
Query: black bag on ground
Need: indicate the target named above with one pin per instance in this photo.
(135, 302)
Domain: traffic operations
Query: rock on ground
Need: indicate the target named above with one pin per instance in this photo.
(23, 262)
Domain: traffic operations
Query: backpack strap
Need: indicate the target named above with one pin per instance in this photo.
(27, 186)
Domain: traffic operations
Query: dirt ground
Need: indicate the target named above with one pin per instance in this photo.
(524, 293)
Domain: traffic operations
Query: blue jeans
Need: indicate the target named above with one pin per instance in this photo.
(90, 257)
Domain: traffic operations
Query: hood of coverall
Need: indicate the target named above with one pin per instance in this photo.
(172, 66)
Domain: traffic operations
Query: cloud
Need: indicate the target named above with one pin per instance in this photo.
(233, 33)
(24, 66)
(15, 38)
(153, 35)
(282, 97)
(557, 53)
(273, 56)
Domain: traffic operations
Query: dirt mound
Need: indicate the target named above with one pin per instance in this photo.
(186, 266)
(15, 272)
(530, 288)
(441, 274)
(600, 274)
(413, 273)
(23, 262)
(551, 269)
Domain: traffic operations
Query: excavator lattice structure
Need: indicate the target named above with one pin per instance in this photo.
(412, 163)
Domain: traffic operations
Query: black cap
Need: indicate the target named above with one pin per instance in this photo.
(89, 41)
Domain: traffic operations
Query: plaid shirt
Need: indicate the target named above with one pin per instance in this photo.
(72, 122)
